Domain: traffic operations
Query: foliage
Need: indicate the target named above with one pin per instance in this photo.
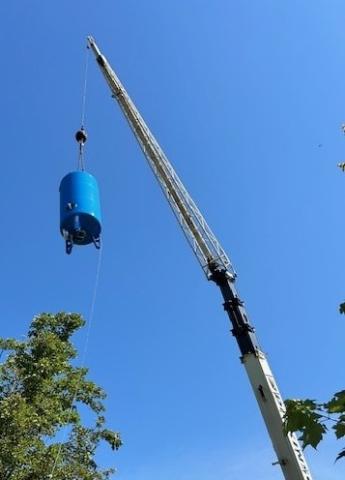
(41, 392)
(312, 419)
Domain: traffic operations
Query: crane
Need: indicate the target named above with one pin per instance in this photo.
(217, 267)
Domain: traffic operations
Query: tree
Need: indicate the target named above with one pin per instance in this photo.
(312, 418)
(41, 392)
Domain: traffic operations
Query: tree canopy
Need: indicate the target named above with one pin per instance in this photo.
(41, 393)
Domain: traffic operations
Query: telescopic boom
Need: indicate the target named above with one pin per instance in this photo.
(217, 267)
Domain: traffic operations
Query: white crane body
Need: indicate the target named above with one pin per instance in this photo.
(217, 267)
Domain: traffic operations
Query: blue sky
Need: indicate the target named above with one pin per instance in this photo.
(246, 98)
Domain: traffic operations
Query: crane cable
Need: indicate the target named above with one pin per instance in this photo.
(89, 321)
(81, 135)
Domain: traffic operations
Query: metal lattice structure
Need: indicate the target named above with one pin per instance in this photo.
(201, 238)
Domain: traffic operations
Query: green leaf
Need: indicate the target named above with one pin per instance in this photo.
(312, 433)
(339, 429)
(302, 416)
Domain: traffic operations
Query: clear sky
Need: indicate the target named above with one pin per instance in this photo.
(247, 99)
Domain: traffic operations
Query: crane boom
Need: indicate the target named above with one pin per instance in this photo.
(218, 268)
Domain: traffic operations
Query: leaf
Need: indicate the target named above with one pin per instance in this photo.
(339, 429)
(302, 416)
(312, 433)
(340, 455)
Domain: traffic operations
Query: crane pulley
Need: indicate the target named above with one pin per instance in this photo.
(218, 268)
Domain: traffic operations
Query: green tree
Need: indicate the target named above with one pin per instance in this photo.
(314, 419)
(41, 392)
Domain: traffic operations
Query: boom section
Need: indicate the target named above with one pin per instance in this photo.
(201, 238)
(286, 446)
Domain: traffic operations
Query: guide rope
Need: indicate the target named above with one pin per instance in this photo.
(89, 321)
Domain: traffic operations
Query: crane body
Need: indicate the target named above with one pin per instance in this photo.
(218, 268)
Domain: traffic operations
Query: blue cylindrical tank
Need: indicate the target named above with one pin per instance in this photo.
(80, 210)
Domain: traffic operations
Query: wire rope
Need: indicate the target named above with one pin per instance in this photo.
(83, 103)
(81, 163)
(89, 321)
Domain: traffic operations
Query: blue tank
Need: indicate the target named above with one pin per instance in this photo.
(80, 210)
